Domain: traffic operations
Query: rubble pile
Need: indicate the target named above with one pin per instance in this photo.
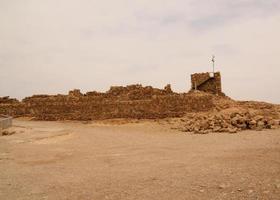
(6, 132)
(229, 120)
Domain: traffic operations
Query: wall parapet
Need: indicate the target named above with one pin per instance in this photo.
(133, 101)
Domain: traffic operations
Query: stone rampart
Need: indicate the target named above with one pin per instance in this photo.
(133, 101)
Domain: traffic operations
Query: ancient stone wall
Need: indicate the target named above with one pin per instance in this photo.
(7, 99)
(5, 122)
(133, 101)
(207, 82)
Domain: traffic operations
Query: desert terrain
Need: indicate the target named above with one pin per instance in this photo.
(136, 159)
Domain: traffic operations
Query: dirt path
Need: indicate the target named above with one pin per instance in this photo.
(71, 160)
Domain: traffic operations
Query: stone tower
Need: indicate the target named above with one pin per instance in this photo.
(207, 82)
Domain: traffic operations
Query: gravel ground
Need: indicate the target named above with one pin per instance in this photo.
(143, 160)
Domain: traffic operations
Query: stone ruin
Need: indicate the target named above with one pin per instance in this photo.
(204, 109)
(133, 101)
(7, 100)
(207, 82)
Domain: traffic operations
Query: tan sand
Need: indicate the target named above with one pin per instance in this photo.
(143, 160)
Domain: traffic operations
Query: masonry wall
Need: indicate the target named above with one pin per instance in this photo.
(119, 102)
(5, 122)
(204, 82)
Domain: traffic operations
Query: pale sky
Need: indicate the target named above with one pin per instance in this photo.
(52, 46)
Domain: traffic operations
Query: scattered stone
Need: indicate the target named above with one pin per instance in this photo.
(253, 122)
(216, 129)
(258, 118)
(222, 186)
(273, 124)
(260, 125)
(232, 130)
(6, 132)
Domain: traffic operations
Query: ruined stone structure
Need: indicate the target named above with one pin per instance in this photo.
(133, 101)
(207, 82)
(5, 122)
(7, 99)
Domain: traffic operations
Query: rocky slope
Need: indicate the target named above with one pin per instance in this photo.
(231, 116)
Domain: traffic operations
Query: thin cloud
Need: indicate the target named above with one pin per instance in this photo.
(54, 46)
(216, 14)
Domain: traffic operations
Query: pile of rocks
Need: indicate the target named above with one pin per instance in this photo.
(231, 122)
(6, 132)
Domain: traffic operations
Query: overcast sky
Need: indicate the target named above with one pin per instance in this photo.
(52, 46)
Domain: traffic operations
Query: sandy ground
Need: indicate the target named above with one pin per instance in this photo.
(145, 160)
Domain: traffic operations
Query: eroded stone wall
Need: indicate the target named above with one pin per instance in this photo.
(207, 82)
(133, 101)
(7, 99)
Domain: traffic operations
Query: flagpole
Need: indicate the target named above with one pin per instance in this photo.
(213, 60)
